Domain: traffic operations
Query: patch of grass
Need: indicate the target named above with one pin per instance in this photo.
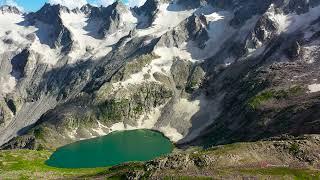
(295, 90)
(259, 99)
(112, 110)
(191, 86)
(186, 178)
(220, 150)
(138, 109)
(294, 149)
(284, 172)
(119, 171)
(28, 164)
(39, 133)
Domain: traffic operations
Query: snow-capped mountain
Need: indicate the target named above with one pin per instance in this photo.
(200, 71)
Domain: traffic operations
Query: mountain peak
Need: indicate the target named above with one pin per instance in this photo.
(9, 9)
(118, 5)
(57, 8)
(155, 2)
(101, 11)
(86, 9)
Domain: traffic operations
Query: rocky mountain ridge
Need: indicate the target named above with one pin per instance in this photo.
(9, 9)
(202, 72)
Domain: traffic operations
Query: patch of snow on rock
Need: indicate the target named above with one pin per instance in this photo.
(161, 65)
(11, 29)
(171, 133)
(168, 17)
(7, 85)
(289, 23)
(148, 120)
(101, 130)
(314, 88)
(219, 31)
(86, 44)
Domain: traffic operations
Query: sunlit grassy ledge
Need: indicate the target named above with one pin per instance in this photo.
(29, 164)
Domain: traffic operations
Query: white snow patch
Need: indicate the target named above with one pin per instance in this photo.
(11, 3)
(10, 29)
(161, 65)
(171, 133)
(168, 17)
(135, 3)
(211, 110)
(310, 53)
(121, 127)
(72, 4)
(184, 106)
(291, 22)
(7, 85)
(183, 110)
(219, 31)
(148, 120)
(72, 134)
(118, 127)
(89, 46)
(101, 130)
(314, 88)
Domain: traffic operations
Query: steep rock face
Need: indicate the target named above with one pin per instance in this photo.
(217, 70)
(59, 35)
(5, 113)
(192, 29)
(19, 63)
(265, 96)
(180, 71)
(149, 12)
(263, 31)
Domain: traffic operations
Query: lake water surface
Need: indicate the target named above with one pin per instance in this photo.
(113, 149)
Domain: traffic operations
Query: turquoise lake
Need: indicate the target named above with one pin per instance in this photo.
(112, 149)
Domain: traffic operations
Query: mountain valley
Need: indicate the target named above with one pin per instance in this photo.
(208, 74)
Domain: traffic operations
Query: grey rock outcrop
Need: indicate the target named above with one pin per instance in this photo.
(10, 9)
(180, 71)
(19, 63)
(190, 29)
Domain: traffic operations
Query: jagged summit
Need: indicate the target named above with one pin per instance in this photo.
(149, 12)
(9, 9)
(48, 18)
(108, 19)
(87, 9)
(49, 13)
(104, 12)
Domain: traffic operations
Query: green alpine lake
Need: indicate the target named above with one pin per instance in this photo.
(113, 149)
